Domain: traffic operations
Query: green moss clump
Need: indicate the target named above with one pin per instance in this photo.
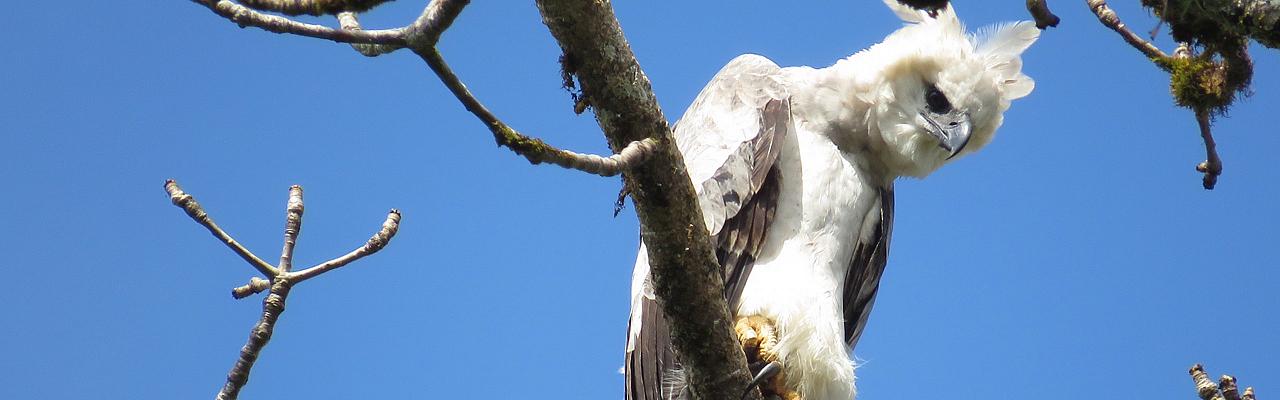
(1201, 83)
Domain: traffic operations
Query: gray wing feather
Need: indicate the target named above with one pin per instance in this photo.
(862, 280)
(717, 133)
(730, 137)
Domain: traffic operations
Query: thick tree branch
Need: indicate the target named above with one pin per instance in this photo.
(1194, 20)
(686, 274)
(281, 279)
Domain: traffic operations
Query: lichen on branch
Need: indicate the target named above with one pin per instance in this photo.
(312, 7)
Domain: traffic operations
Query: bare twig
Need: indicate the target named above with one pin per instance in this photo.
(534, 149)
(281, 279)
(197, 213)
(1040, 12)
(1109, 18)
(292, 226)
(422, 36)
(375, 243)
(245, 16)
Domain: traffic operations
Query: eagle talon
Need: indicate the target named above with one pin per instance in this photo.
(769, 371)
(759, 339)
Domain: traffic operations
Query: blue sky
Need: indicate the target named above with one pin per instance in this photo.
(1076, 255)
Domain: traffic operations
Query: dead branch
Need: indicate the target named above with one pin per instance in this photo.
(280, 280)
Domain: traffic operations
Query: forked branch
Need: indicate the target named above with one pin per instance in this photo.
(280, 280)
(1207, 83)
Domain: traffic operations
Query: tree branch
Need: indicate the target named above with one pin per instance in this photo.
(1191, 20)
(281, 279)
(686, 275)
(256, 285)
(1226, 388)
(312, 7)
(375, 243)
(272, 307)
(348, 21)
(533, 149)
(1212, 165)
(1109, 18)
(1040, 12)
(292, 227)
(197, 213)
(245, 16)
(422, 36)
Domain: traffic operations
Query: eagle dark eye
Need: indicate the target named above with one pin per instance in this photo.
(937, 101)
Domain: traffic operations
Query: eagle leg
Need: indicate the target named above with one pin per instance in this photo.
(759, 339)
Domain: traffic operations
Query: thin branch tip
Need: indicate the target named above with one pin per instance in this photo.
(193, 209)
(1044, 18)
(1110, 19)
(1211, 167)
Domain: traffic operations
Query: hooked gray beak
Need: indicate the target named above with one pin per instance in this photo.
(951, 130)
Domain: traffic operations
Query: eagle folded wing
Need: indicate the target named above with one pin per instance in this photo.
(730, 138)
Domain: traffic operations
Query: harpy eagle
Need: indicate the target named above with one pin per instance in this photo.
(794, 170)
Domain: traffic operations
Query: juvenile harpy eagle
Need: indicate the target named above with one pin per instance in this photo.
(794, 169)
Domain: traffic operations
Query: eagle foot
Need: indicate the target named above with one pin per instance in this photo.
(759, 337)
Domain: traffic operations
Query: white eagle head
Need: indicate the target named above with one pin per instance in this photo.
(940, 93)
